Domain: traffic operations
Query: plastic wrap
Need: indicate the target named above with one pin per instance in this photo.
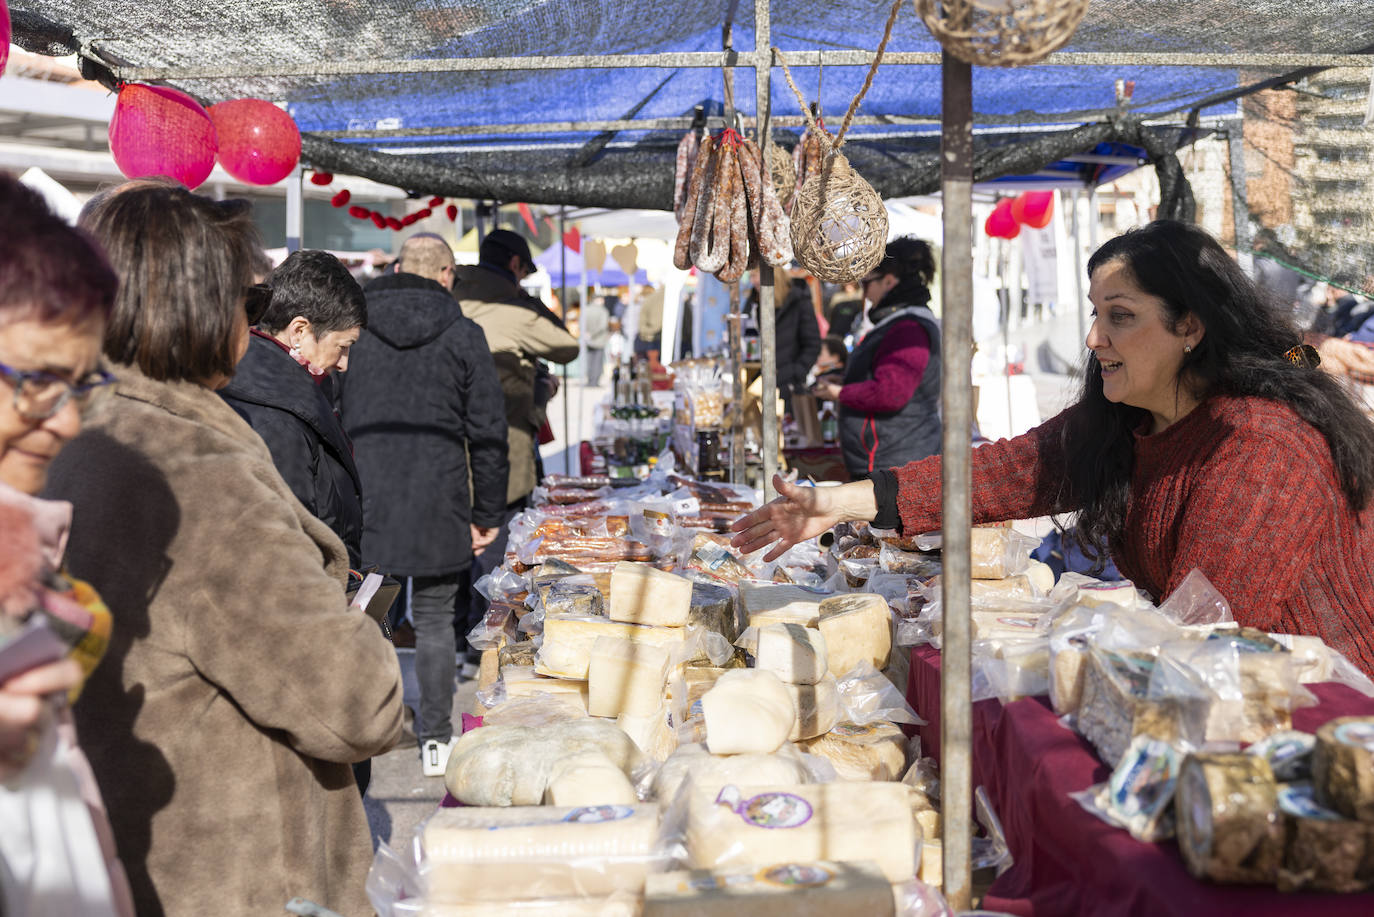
(1228, 826)
(1010, 669)
(996, 551)
(1139, 794)
(568, 639)
(536, 710)
(775, 889)
(708, 771)
(1343, 766)
(875, 751)
(571, 595)
(907, 563)
(1196, 602)
(857, 628)
(1122, 698)
(1289, 754)
(1318, 662)
(496, 629)
(866, 696)
(711, 554)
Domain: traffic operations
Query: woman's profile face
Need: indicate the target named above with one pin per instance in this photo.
(1139, 355)
(329, 352)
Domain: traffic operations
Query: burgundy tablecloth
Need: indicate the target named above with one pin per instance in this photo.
(1069, 862)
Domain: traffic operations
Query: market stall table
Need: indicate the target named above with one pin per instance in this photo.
(1070, 862)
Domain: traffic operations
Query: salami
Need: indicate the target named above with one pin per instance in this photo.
(775, 228)
(716, 253)
(699, 203)
(686, 160)
(749, 170)
(738, 262)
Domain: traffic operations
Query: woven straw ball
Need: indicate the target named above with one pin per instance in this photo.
(1001, 33)
(839, 224)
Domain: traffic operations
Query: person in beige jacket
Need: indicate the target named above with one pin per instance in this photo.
(239, 685)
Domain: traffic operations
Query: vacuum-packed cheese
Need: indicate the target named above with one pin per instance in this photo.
(1343, 766)
(713, 607)
(641, 594)
(819, 889)
(625, 677)
(568, 639)
(1041, 576)
(709, 771)
(1121, 593)
(1002, 625)
(776, 603)
(794, 653)
(818, 708)
(1322, 850)
(1228, 827)
(748, 711)
(738, 826)
(588, 778)
(857, 628)
(876, 751)
(652, 733)
(486, 854)
(625, 905)
(523, 681)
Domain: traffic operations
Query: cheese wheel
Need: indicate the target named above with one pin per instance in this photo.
(816, 889)
(857, 628)
(641, 594)
(1322, 850)
(794, 653)
(485, 854)
(1343, 766)
(876, 751)
(818, 708)
(747, 825)
(748, 711)
(1228, 828)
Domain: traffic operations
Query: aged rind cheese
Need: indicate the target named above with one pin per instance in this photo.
(641, 594)
(568, 639)
(1115, 706)
(746, 825)
(1322, 850)
(748, 711)
(776, 603)
(588, 778)
(510, 765)
(1343, 766)
(625, 677)
(486, 854)
(857, 628)
(808, 889)
(876, 751)
(712, 772)
(1228, 826)
(818, 708)
(794, 653)
(714, 608)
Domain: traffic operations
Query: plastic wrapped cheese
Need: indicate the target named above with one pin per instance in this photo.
(1228, 827)
(773, 603)
(713, 607)
(652, 733)
(876, 751)
(748, 711)
(794, 653)
(997, 552)
(641, 594)
(1117, 705)
(738, 826)
(708, 771)
(588, 778)
(1343, 766)
(1322, 850)
(818, 708)
(816, 889)
(857, 628)
(568, 640)
(523, 681)
(625, 677)
(489, 854)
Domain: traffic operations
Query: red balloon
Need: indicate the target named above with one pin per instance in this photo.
(1034, 208)
(160, 131)
(1000, 224)
(4, 35)
(341, 198)
(258, 142)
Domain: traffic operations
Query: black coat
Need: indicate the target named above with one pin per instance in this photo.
(798, 336)
(283, 404)
(421, 402)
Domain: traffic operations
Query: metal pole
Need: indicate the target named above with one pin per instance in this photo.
(295, 206)
(1078, 270)
(736, 414)
(1240, 193)
(956, 157)
(563, 304)
(767, 279)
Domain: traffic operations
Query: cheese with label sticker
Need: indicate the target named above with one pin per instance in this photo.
(1121, 592)
(715, 771)
(625, 677)
(568, 639)
(818, 708)
(857, 628)
(641, 594)
(819, 889)
(588, 778)
(748, 711)
(778, 603)
(748, 825)
(794, 653)
(484, 854)
(991, 625)
(876, 751)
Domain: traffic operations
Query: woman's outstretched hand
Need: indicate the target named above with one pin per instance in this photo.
(799, 513)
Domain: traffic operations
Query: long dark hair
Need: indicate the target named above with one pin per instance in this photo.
(912, 262)
(1241, 354)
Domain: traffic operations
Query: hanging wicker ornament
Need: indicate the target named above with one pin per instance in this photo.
(784, 174)
(839, 223)
(1001, 33)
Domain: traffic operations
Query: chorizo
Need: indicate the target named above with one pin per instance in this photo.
(717, 250)
(775, 228)
(700, 200)
(686, 159)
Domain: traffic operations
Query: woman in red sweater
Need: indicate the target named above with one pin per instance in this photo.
(1204, 438)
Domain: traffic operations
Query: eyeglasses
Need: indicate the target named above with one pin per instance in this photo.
(39, 395)
(256, 300)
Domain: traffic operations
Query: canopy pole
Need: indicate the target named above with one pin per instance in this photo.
(1240, 193)
(563, 306)
(956, 165)
(768, 355)
(1078, 271)
(295, 207)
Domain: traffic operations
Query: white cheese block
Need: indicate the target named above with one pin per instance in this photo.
(739, 826)
(993, 625)
(794, 653)
(876, 751)
(652, 733)
(625, 677)
(1120, 593)
(615, 906)
(818, 708)
(641, 594)
(1041, 576)
(857, 628)
(568, 639)
(819, 889)
(588, 778)
(485, 854)
(776, 603)
(523, 681)
(748, 711)
(929, 820)
(933, 863)
(713, 772)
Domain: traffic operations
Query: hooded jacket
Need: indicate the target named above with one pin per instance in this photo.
(422, 404)
(283, 404)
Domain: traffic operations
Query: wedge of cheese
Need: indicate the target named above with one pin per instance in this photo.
(794, 653)
(857, 628)
(625, 677)
(779, 603)
(568, 640)
(641, 594)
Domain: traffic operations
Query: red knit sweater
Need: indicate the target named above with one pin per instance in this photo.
(1241, 488)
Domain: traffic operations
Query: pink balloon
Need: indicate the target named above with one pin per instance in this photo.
(1034, 208)
(161, 131)
(1000, 224)
(4, 35)
(258, 142)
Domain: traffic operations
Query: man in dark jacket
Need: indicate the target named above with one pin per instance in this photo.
(422, 404)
